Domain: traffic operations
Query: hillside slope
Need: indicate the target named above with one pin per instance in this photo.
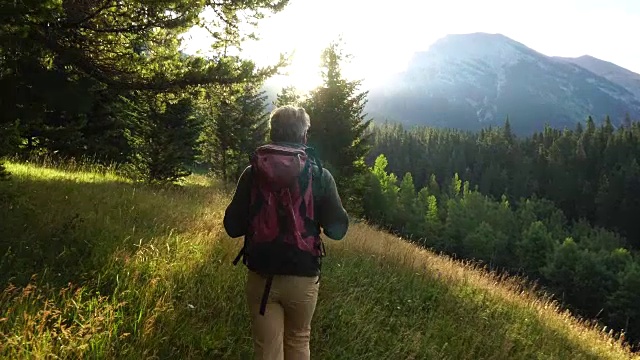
(128, 271)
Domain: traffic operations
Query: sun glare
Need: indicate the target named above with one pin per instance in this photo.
(304, 28)
(382, 38)
(303, 71)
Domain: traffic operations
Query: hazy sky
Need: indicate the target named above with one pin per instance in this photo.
(382, 35)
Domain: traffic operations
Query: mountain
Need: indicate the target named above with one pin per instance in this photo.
(471, 81)
(612, 72)
(271, 92)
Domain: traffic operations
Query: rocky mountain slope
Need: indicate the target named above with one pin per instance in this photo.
(475, 80)
(612, 72)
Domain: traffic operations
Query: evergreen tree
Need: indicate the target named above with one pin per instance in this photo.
(561, 268)
(624, 303)
(455, 186)
(407, 192)
(433, 226)
(237, 125)
(130, 44)
(507, 133)
(631, 204)
(408, 218)
(164, 138)
(381, 200)
(221, 144)
(70, 63)
(627, 121)
(434, 187)
(288, 96)
(533, 249)
(481, 242)
(106, 125)
(253, 122)
(338, 126)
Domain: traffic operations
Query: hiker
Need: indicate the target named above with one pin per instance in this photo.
(282, 203)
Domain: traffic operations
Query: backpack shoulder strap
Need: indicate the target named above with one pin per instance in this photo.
(311, 152)
(252, 209)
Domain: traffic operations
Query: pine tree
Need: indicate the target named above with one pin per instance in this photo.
(237, 125)
(104, 134)
(534, 248)
(591, 125)
(432, 218)
(164, 138)
(434, 188)
(68, 80)
(455, 187)
(133, 45)
(288, 96)
(480, 243)
(381, 202)
(407, 218)
(561, 266)
(607, 127)
(222, 142)
(339, 126)
(253, 123)
(629, 207)
(507, 133)
(407, 192)
(627, 121)
(624, 303)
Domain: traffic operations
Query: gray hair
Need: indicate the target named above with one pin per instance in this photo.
(289, 124)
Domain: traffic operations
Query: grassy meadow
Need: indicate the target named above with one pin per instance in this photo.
(94, 266)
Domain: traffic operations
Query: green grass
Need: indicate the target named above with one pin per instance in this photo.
(94, 266)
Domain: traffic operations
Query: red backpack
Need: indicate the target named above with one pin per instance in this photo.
(282, 223)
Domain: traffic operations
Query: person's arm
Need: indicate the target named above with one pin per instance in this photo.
(333, 217)
(236, 216)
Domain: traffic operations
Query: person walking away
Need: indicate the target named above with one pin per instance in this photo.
(283, 202)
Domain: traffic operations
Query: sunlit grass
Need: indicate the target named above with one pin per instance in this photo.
(53, 174)
(128, 271)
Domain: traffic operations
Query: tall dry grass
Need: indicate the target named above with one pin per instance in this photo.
(94, 266)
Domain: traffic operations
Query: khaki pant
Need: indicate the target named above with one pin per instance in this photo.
(285, 329)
